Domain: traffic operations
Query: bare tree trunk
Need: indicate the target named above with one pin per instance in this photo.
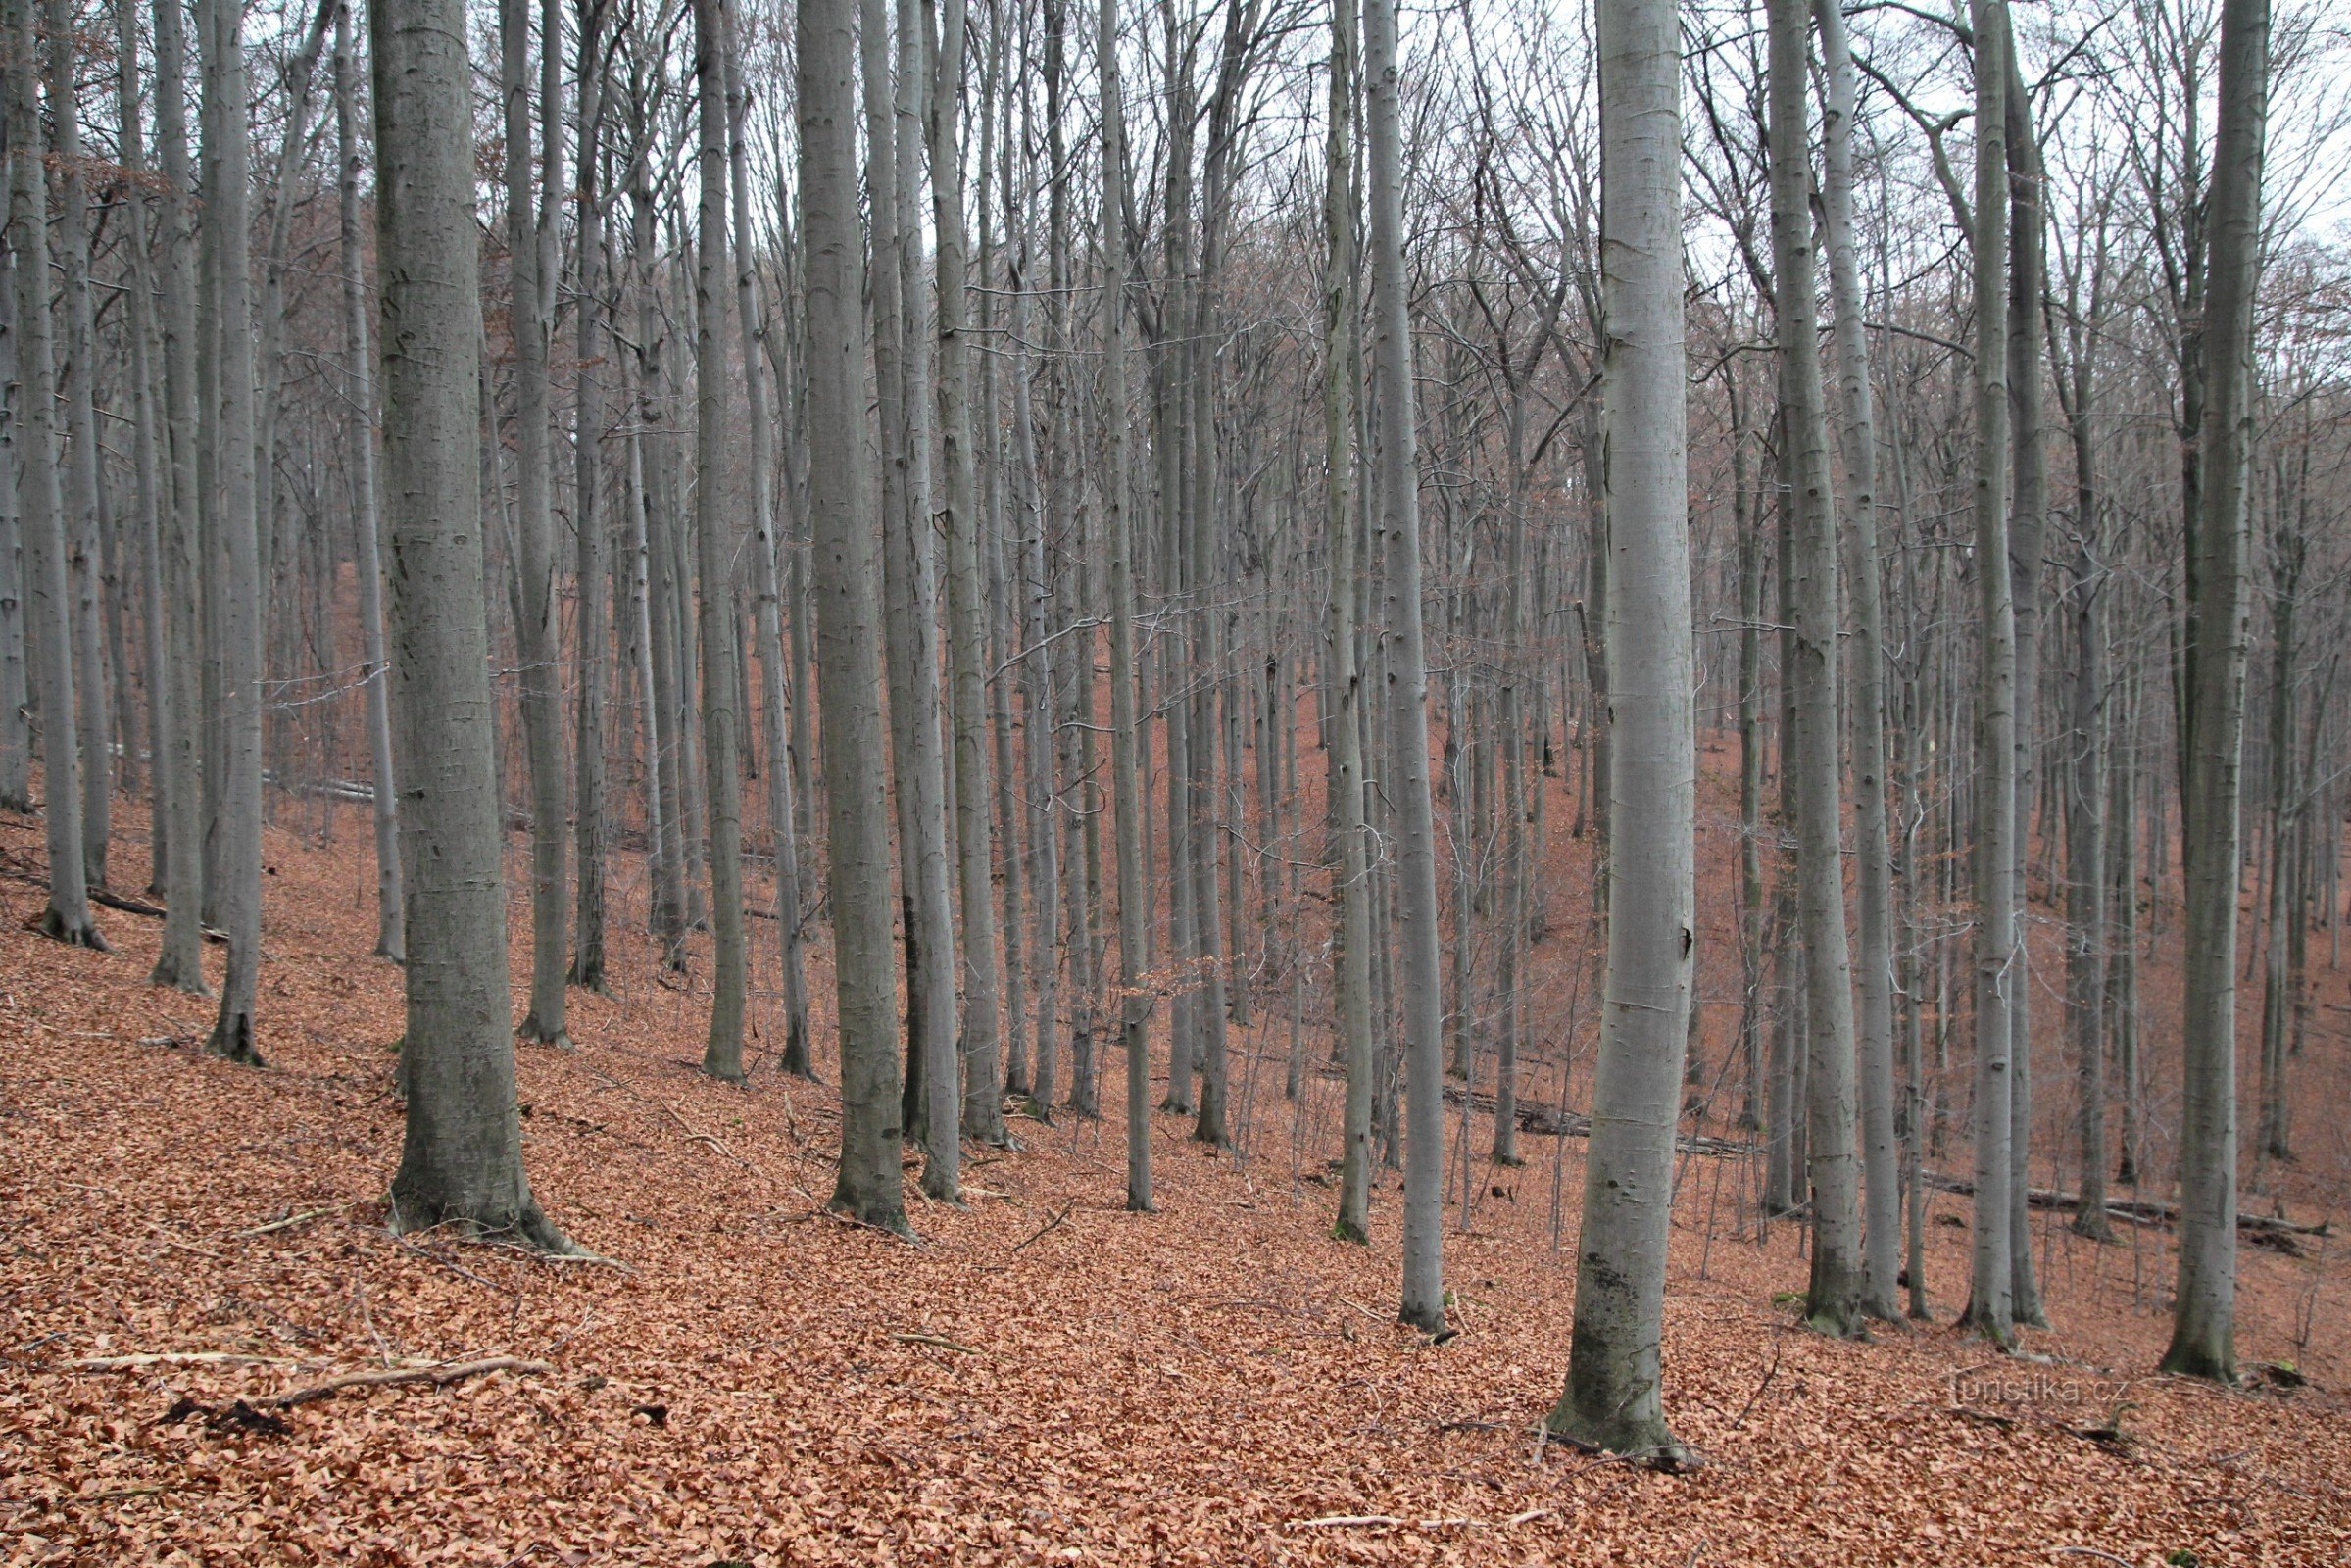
(781, 809)
(529, 270)
(1344, 680)
(2204, 1312)
(721, 719)
(240, 584)
(982, 1117)
(1126, 782)
(1613, 1396)
(49, 609)
(15, 699)
(593, 584)
(1882, 1229)
(1423, 1305)
(1990, 1307)
(460, 1161)
(366, 568)
(1839, 1286)
(179, 962)
(85, 522)
(846, 583)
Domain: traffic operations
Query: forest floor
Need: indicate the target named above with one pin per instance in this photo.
(1045, 1378)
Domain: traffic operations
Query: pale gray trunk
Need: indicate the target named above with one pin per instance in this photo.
(1344, 680)
(593, 583)
(1991, 1309)
(366, 566)
(846, 574)
(967, 600)
(782, 817)
(76, 373)
(721, 719)
(179, 962)
(531, 275)
(16, 724)
(461, 1160)
(1614, 1383)
(1407, 679)
(240, 580)
(48, 604)
(1882, 1228)
(2028, 526)
(1126, 782)
(2204, 1311)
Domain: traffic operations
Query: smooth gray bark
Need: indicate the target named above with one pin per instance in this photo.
(461, 1159)
(1990, 1310)
(530, 272)
(1881, 1225)
(1407, 680)
(982, 1113)
(368, 565)
(2218, 632)
(1126, 774)
(179, 962)
(1344, 679)
(1613, 1401)
(845, 583)
(47, 596)
(722, 717)
(238, 588)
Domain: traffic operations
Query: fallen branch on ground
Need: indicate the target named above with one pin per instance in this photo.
(440, 1376)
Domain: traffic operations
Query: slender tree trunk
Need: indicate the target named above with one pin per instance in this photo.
(240, 583)
(1613, 1398)
(1839, 1290)
(1990, 1306)
(593, 584)
(16, 698)
(983, 1114)
(460, 1161)
(48, 605)
(782, 815)
(1126, 773)
(846, 582)
(1407, 678)
(1882, 1223)
(721, 719)
(1345, 681)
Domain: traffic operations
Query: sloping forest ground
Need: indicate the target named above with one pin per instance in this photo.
(1046, 1378)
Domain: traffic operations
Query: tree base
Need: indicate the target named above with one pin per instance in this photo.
(168, 974)
(231, 1040)
(1648, 1442)
(528, 1226)
(83, 933)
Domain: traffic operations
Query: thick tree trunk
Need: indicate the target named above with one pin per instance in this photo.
(2204, 1312)
(846, 580)
(460, 1161)
(1613, 1398)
